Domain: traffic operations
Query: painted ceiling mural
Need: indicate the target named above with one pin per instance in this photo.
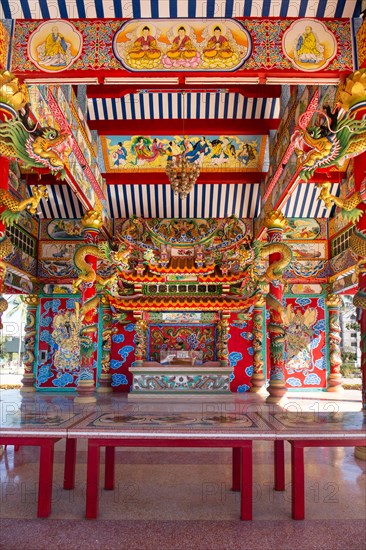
(188, 45)
(151, 153)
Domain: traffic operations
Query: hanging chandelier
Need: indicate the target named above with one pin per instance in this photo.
(182, 175)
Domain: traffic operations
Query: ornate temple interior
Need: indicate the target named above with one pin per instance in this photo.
(182, 195)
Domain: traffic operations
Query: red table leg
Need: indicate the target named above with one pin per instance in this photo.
(92, 480)
(279, 465)
(236, 469)
(45, 478)
(109, 468)
(70, 464)
(246, 481)
(298, 480)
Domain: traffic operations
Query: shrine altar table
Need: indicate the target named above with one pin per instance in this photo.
(311, 429)
(41, 428)
(178, 429)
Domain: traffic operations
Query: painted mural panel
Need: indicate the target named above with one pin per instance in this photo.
(204, 45)
(308, 269)
(240, 353)
(58, 344)
(189, 44)
(309, 45)
(23, 261)
(305, 347)
(55, 45)
(50, 250)
(151, 153)
(343, 261)
(62, 229)
(199, 338)
(63, 269)
(21, 283)
(306, 229)
(306, 288)
(348, 281)
(304, 250)
(123, 354)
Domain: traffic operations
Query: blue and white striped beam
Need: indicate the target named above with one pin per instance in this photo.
(304, 202)
(204, 201)
(202, 105)
(81, 9)
(61, 203)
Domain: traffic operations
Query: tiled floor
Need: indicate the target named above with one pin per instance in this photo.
(177, 498)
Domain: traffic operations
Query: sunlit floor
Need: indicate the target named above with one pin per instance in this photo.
(182, 498)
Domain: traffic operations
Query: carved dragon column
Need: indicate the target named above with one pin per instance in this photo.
(107, 332)
(141, 338)
(276, 223)
(258, 379)
(28, 380)
(223, 339)
(334, 338)
(91, 222)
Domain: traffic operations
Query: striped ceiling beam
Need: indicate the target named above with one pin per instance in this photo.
(204, 201)
(69, 9)
(196, 105)
(305, 203)
(61, 203)
(187, 126)
(250, 90)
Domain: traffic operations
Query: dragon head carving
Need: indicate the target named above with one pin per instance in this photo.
(338, 134)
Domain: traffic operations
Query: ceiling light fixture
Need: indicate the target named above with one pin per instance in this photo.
(182, 173)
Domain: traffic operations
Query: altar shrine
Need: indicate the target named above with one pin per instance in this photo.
(183, 210)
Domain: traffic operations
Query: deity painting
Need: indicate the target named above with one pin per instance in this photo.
(184, 50)
(188, 45)
(299, 335)
(66, 337)
(55, 45)
(309, 45)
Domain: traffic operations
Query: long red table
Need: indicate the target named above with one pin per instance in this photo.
(188, 430)
(39, 428)
(177, 429)
(311, 429)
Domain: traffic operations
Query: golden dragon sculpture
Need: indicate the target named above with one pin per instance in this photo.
(274, 270)
(35, 146)
(340, 134)
(88, 276)
(357, 240)
(12, 211)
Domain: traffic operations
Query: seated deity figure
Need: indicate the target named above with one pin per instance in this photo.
(182, 46)
(145, 46)
(307, 48)
(55, 50)
(218, 46)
